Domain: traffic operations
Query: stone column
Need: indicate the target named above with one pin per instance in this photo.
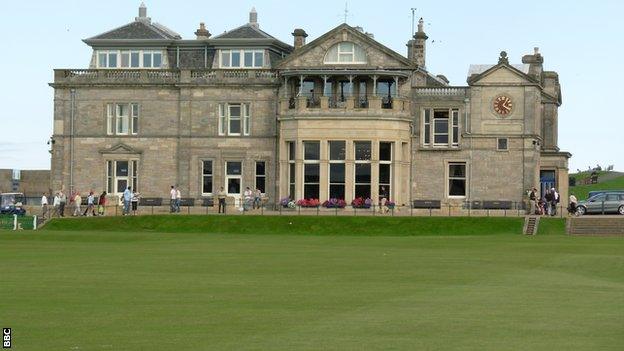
(349, 171)
(375, 172)
(324, 172)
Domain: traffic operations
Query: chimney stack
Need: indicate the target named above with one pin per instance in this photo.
(417, 47)
(253, 18)
(202, 33)
(535, 62)
(143, 14)
(300, 38)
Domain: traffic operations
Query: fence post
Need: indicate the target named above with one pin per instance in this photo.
(449, 206)
(116, 208)
(14, 222)
(373, 206)
(488, 212)
(392, 211)
(429, 211)
(298, 210)
(603, 207)
(336, 208)
(262, 210)
(35, 222)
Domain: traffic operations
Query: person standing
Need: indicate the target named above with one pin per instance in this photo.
(555, 201)
(247, 194)
(533, 201)
(172, 199)
(56, 203)
(383, 199)
(62, 203)
(178, 199)
(127, 198)
(44, 206)
(221, 195)
(90, 204)
(573, 205)
(135, 202)
(77, 203)
(257, 199)
(102, 204)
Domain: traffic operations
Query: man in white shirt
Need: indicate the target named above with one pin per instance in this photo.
(172, 199)
(44, 206)
(178, 199)
(56, 204)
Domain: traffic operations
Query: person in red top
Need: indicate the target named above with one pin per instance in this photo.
(102, 204)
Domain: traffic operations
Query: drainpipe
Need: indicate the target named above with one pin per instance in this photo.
(72, 107)
(468, 131)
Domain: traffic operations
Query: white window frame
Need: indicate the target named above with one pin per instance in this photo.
(225, 118)
(241, 62)
(453, 128)
(227, 177)
(292, 168)
(449, 178)
(132, 179)
(129, 53)
(115, 121)
(350, 52)
(204, 175)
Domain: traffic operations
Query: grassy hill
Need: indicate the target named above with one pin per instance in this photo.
(606, 181)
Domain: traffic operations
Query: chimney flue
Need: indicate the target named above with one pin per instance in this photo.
(300, 37)
(202, 33)
(253, 18)
(143, 14)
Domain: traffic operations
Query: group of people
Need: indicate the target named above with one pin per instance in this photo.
(545, 205)
(60, 204)
(251, 199)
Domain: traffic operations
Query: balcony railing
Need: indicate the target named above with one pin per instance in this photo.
(337, 103)
(443, 92)
(162, 76)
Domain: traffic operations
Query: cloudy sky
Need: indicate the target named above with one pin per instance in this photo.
(581, 41)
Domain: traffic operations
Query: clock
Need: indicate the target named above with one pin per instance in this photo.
(503, 105)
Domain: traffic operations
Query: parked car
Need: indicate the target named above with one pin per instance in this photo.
(12, 203)
(607, 202)
(596, 192)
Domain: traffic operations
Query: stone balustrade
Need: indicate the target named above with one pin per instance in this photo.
(352, 105)
(130, 76)
(446, 91)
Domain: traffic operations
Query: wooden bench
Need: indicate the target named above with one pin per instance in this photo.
(427, 204)
(150, 201)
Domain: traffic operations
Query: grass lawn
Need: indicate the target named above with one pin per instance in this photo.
(581, 191)
(385, 285)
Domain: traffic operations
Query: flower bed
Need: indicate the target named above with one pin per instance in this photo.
(360, 202)
(335, 203)
(309, 203)
(287, 203)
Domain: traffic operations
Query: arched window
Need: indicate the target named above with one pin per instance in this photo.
(346, 53)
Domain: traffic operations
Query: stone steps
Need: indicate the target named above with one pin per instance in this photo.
(596, 225)
(531, 224)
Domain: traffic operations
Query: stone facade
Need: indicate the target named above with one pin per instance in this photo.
(32, 183)
(244, 97)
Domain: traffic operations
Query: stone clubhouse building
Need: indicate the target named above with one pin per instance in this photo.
(342, 116)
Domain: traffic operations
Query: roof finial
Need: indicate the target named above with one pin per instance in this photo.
(503, 58)
(421, 25)
(253, 18)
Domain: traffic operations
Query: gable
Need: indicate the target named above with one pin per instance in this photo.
(120, 149)
(312, 55)
(244, 32)
(500, 74)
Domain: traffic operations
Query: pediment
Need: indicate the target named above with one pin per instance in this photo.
(501, 74)
(312, 55)
(121, 149)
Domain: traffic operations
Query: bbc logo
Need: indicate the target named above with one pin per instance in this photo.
(6, 338)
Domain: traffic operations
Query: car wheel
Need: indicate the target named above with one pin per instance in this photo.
(581, 210)
(621, 210)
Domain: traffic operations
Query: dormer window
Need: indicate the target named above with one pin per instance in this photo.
(130, 59)
(345, 53)
(238, 58)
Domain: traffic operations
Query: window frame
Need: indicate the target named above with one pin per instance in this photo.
(340, 53)
(204, 175)
(112, 179)
(263, 176)
(229, 63)
(120, 54)
(225, 119)
(449, 178)
(428, 128)
(385, 163)
(115, 121)
(357, 163)
(312, 162)
(498, 144)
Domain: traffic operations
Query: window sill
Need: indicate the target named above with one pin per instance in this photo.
(439, 148)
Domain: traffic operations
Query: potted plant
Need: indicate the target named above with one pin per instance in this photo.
(335, 203)
(360, 202)
(308, 203)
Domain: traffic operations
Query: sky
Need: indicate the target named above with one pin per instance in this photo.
(583, 42)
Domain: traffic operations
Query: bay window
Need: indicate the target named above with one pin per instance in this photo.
(291, 170)
(311, 169)
(385, 170)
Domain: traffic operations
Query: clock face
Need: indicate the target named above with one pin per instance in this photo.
(503, 105)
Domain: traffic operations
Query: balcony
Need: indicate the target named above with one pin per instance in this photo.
(331, 105)
(160, 77)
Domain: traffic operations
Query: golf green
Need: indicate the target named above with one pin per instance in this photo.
(107, 290)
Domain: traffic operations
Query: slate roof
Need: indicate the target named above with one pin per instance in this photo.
(246, 31)
(139, 30)
(478, 69)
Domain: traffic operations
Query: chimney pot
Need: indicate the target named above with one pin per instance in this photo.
(253, 18)
(202, 33)
(300, 37)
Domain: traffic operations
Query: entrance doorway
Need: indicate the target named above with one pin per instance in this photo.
(547, 181)
(233, 179)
